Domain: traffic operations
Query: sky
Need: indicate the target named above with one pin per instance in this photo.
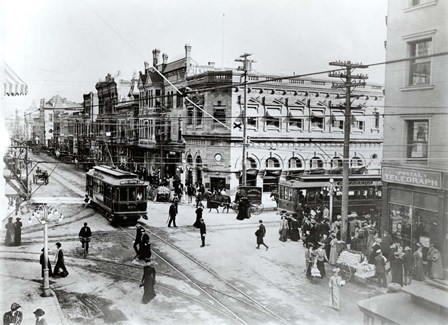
(65, 47)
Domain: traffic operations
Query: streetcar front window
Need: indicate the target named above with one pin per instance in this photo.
(132, 194)
(123, 194)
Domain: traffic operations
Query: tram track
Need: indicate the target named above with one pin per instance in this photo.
(244, 298)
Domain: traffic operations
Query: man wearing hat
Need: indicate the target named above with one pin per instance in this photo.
(14, 316)
(40, 320)
(60, 262)
(321, 258)
(42, 263)
(18, 232)
(408, 265)
(380, 269)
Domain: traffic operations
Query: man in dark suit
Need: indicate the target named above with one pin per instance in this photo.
(203, 231)
(60, 262)
(84, 235)
(42, 263)
(380, 269)
(172, 213)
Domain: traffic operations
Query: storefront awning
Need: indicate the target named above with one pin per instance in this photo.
(274, 112)
(12, 84)
(317, 113)
(358, 116)
(296, 113)
(272, 173)
(338, 115)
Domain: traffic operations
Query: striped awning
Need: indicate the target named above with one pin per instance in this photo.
(12, 84)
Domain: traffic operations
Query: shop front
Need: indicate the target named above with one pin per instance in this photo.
(414, 205)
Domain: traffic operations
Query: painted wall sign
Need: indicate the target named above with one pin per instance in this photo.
(412, 177)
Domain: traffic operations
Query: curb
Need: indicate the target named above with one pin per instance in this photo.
(58, 307)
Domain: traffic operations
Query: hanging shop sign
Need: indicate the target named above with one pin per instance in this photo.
(414, 177)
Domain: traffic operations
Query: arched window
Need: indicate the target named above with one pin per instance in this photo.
(251, 163)
(336, 162)
(295, 163)
(316, 162)
(189, 160)
(356, 162)
(272, 163)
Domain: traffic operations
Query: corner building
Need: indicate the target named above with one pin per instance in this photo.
(415, 158)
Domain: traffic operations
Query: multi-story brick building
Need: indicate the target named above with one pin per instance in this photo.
(415, 169)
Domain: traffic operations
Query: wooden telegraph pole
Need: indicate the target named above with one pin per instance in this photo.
(348, 85)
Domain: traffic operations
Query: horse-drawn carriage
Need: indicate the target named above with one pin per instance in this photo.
(252, 193)
(41, 176)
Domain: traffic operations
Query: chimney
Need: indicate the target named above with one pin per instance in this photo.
(165, 58)
(42, 102)
(155, 57)
(146, 65)
(212, 64)
(187, 51)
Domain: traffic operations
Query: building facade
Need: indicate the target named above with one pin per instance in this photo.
(294, 126)
(415, 158)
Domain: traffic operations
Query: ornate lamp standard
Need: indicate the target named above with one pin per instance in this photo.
(331, 189)
(46, 214)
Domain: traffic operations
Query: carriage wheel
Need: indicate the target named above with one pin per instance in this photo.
(256, 209)
(346, 272)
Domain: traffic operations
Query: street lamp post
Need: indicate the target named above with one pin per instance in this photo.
(331, 189)
(46, 214)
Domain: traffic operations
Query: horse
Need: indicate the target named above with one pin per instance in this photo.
(214, 201)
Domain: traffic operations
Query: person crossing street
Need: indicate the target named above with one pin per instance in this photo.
(84, 235)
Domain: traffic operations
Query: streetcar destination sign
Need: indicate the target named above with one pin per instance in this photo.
(412, 177)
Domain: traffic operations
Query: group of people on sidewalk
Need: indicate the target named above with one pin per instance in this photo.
(13, 232)
(15, 316)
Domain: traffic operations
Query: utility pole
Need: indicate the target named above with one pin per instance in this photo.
(349, 85)
(247, 66)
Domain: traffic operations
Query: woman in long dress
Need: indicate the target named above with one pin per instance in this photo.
(148, 282)
(294, 234)
(436, 271)
(419, 274)
(335, 283)
(283, 230)
(243, 209)
(333, 250)
(10, 229)
(198, 211)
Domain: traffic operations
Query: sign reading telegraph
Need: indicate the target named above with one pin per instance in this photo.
(412, 177)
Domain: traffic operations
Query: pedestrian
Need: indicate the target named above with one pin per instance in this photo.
(436, 271)
(333, 249)
(202, 231)
(199, 211)
(9, 238)
(144, 251)
(18, 232)
(138, 239)
(40, 317)
(14, 316)
(408, 265)
(335, 283)
(309, 259)
(59, 262)
(243, 209)
(326, 240)
(321, 258)
(386, 242)
(283, 229)
(260, 233)
(274, 194)
(396, 267)
(86, 200)
(84, 235)
(419, 273)
(148, 282)
(429, 259)
(190, 192)
(295, 233)
(42, 263)
(176, 203)
(172, 215)
(380, 269)
(376, 246)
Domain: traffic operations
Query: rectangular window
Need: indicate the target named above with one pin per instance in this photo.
(178, 100)
(220, 115)
(190, 112)
(358, 125)
(158, 99)
(199, 115)
(377, 120)
(420, 68)
(317, 122)
(273, 118)
(295, 119)
(417, 141)
(252, 122)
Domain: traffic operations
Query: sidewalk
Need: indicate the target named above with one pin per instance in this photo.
(25, 289)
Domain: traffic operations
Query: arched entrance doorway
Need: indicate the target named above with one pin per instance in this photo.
(199, 169)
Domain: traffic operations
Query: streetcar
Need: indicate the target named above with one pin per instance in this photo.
(119, 195)
(364, 193)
